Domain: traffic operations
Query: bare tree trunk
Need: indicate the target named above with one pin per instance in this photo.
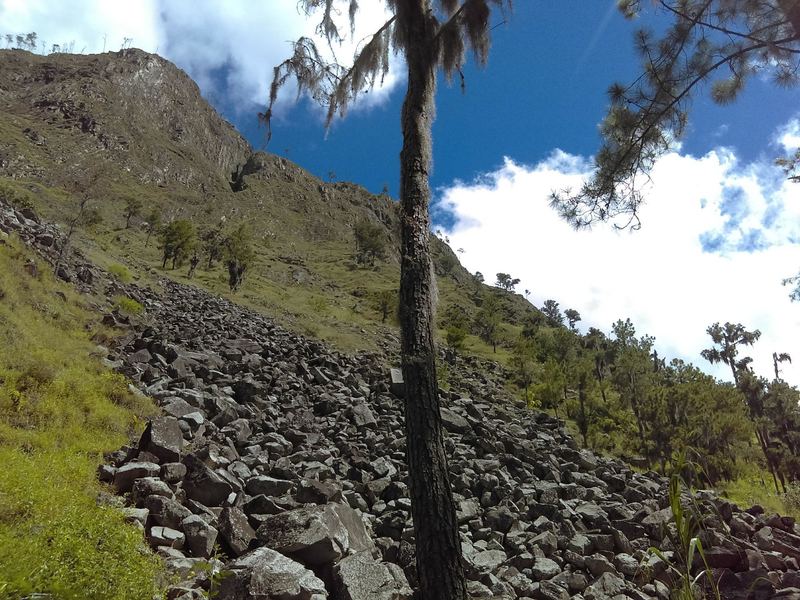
(762, 442)
(438, 547)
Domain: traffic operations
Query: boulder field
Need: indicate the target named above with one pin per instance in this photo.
(277, 470)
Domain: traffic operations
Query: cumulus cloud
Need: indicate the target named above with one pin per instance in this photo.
(86, 26)
(788, 136)
(717, 238)
(247, 39)
(229, 48)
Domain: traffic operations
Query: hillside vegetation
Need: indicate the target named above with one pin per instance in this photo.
(125, 141)
(60, 410)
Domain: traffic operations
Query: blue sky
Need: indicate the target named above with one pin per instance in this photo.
(721, 225)
(549, 67)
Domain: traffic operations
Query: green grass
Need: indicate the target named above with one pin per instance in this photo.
(754, 487)
(128, 306)
(59, 412)
(121, 272)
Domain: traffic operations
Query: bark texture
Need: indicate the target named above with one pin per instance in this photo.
(438, 547)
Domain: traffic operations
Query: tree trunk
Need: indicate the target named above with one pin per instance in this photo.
(762, 442)
(438, 547)
(583, 419)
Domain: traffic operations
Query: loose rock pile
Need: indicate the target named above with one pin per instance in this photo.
(277, 470)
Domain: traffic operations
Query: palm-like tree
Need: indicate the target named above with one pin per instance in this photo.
(729, 338)
(430, 35)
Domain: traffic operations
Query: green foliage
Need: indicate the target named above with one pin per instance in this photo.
(177, 241)
(523, 361)
(121, 272)
(386, 302)
(446, 262)
(791, 498)
(370, 242)
(59, 412)
(239, 255)
(730, 337)
(573, 316)
(454, 337)
(212, 243)
(731, 41)
(15, 195)
(487, 321)
(506, 282)
(133, 208)
(128, 306)
(153, 224)
(752, 486)
(690, 583)
(552, 312)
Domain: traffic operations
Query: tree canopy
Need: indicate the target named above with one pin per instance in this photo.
(716, 44)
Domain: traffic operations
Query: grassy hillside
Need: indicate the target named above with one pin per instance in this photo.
(121, 127)
(125, 125)
(60, 410)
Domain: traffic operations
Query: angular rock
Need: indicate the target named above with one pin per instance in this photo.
(453, 422)
(362, 416)
(264, 574)
(166, 511)
(127, 474)
(163, 438)
(204, 485)
(235, 531)
(165, 536)
(361, 577)
(316, 535)
(269, 486)
(544, 568)
(200, 536)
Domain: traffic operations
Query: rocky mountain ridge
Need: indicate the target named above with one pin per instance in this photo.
(170, 136)
(130, 125)
(290, 457)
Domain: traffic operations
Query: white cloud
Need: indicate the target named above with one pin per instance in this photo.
(788, 136)
(91, 26)
(250, 38)
(661, 276)
(202, 37)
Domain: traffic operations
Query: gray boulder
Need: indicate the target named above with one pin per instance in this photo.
(235, 531)
(264, 574)
(204, 485)
(200, 536)
(163, 438)
(361, 577)
(166, 511)
(127, 474)
(316, 535)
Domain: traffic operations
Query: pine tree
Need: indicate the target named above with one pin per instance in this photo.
(239, 255)
(729, 338)
(133, 208)
(429, 35)
(178, 239)
(727, 40)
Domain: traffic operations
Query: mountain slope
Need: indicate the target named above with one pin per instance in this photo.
(132, 125)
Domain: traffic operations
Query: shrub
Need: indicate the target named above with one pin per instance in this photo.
(128, 306)
(121, 272)
(13, 194)
(791, 498)
(370, 242)
(455, 336)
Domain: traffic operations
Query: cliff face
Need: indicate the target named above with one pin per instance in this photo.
(64, 112)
